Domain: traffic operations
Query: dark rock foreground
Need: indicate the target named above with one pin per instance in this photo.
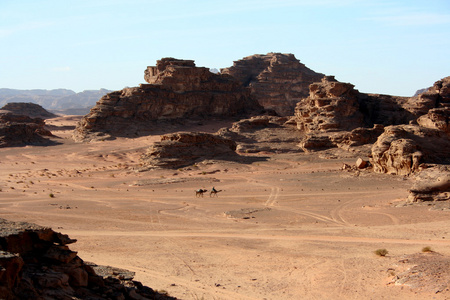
(36, 263)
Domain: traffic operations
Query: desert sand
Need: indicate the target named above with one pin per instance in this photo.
(283, 226)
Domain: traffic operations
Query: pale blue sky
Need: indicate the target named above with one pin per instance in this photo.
(391, 47)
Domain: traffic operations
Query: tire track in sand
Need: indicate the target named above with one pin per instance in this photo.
(215, 235)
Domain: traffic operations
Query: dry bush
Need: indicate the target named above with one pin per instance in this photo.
(381, 252)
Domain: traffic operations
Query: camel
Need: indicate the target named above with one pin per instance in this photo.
(200, 192)
(214, 192)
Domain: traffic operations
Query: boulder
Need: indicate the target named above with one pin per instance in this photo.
(361, 163)
(278, 81)
(401, 149)
(176, 90)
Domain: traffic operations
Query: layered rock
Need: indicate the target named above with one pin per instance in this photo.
(176, 89)
(28, 109)
(432, 184)
(330, 106)
(36, 263)
(436, 118)
(315, 141)
(337, 115)
(436, 96)
(186, 148)
(402, 149)
(278, 81)
(264, 134)
(20, 130)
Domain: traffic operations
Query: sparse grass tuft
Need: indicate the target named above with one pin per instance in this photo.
(381, 252)
(427, 249)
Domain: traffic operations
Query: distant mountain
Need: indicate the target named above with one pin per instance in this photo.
(56, 100)
(421, 91)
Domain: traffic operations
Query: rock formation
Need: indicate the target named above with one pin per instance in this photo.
(278, 81)
(28, 109)
(36, 263)
(176, 89)
(182, 149)
(264, 134)
(438, 116)
(336, 115)
(330, 106)
(19, 130)
(402, 149)
(432, 184)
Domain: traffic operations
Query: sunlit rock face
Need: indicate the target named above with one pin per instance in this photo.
(278, 81)
(402, 149)
(176, 89)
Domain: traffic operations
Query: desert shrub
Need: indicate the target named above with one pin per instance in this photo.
(381, 252)
(427, 249)
(51, 195)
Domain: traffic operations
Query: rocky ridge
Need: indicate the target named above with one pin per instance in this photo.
(20, 130)
(176, 89)
(36, 263)
(278, 81)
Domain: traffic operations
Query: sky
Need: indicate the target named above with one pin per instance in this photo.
(387, 47)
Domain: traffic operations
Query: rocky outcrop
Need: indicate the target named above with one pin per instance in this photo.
(176, 90)
(432, 184)
(402, 149)
(278, 81)
(264, 134)
(36, 263)
(330, 106)
(436, 118)
(337, 115)
(438, 97)
(182, 149)
(28, 109)
(316, 141)
(392, 110)
(20, 130)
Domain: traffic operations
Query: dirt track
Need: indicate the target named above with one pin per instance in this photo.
(289, 226)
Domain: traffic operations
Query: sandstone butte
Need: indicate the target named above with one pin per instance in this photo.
(176, 89)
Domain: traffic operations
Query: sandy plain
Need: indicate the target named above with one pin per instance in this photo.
(284, 226)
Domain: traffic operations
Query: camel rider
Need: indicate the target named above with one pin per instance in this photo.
(213, 190)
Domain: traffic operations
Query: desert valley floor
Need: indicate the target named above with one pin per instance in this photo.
(284, 226)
